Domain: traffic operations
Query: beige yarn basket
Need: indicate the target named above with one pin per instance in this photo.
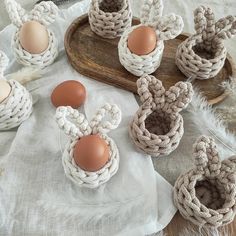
(166, 27)
(45, 13)
(203, 54)
(110, 18)
(157, 127)
(65, 116)
(206, 194)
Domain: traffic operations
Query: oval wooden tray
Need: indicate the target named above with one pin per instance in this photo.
(98, 59)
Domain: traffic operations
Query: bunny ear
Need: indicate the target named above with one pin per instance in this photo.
(178, 97)
(204, 20)
(72, 122)
(3, 62)
(44, 12)
(151, 11)
(16, 13)
(169, 26)
(226, 28)
(151, 90)
(229, 165)
(206, 157)
(99, 125)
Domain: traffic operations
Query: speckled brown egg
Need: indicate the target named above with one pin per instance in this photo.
(91, 153)
(69, 93)
(5, 90)
(142, 40)
(34, 37)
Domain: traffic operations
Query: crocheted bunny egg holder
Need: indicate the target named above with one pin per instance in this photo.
(203, 54)
(166, 27)
(81, 128)
(45, 13)
(110, 18)
(206, 194)
(157, 127)
(17, 107)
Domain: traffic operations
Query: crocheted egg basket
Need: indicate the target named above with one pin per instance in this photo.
(45, 13)
(81, 128)
(157, 127)
(203, 55)
(17, 107)
(110, 18)
(167, 27)
(206, 194)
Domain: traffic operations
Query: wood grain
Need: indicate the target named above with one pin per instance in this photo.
(98, 59)
(178, 224)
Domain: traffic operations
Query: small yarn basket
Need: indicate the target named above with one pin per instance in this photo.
(18, 106)
(206, 194)
(157, 127)
(64, 117)
(166, 27)
(45, 13)
(110, 18)
(202, 55)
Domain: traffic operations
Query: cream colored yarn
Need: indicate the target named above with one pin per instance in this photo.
(79, 128)
(209, 40)
(157, 127)
(206, 194)
(17, 107)
(45, 13)
(110, 18)
(167, 27)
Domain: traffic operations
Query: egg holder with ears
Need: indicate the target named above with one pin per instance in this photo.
(17, 107)
(203, 54)
(157, 126)
(45, 13)
(166, 27)
(206, 194)
(75, 125)
(110, 18)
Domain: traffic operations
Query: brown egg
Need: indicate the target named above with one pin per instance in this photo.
(5, 90)
(34, 37)
(142, 40)
(91, 153)
(69, 93)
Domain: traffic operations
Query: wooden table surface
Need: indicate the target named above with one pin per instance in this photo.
(178, 224)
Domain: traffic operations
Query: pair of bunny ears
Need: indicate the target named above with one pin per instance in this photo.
(44, 13)
(207, 158)
(3, 63)
(152, 93)
(167, 27)
(209, 28)
(75, 125)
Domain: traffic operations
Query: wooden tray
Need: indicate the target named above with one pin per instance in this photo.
(97, 58)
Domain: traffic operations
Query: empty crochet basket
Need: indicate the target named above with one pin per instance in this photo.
(206, 194)
(166, 27)
(45, 13)
(109, 18)
(17, 107)
(202, 55)
(157, 127)
(65, 116)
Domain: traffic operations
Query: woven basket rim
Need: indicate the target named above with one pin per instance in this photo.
(194, 38)
(177, 115)
(108, 14)
(195, 180)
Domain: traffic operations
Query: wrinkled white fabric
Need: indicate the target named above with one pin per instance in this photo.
(35, 196)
